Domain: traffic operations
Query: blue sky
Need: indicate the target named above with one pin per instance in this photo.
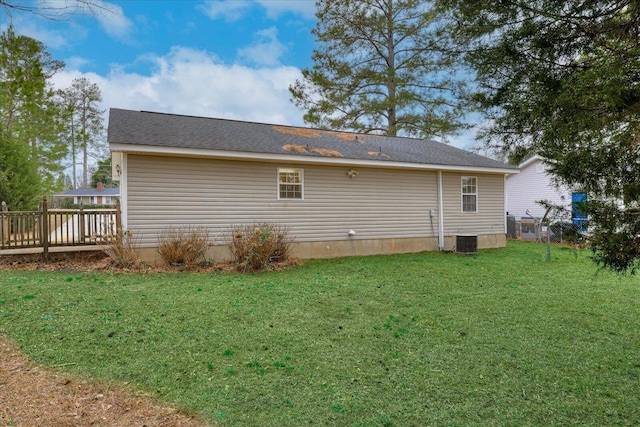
(216, 58)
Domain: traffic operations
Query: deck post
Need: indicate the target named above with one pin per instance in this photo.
(118, 218)
(81, 224)
(44, 219)
(5, 225)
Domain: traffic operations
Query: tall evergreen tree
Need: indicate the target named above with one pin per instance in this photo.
(84, 127)
(28, 112)
(562, 79)
(19, 180)
(379, 68)
(103, 174)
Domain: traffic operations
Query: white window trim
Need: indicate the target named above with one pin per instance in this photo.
(462, 194)
(301, 183)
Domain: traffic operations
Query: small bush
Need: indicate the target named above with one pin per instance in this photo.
(254, 247)
(121, 249)
(183, 246)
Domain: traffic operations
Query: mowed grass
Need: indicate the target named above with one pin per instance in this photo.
(501, 338)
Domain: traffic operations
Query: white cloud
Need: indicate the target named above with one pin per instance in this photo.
(265, 50)
(76, 62)
(28, 27)
(275, 8)
(229, 10)
(233, 10)
(193, 82)
(112, 19)
(110, 15)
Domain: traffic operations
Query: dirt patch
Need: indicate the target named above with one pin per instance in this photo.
(33, 396)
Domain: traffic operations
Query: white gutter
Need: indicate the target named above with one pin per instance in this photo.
(440, 214)
(124, 199)
(269, 157)
(505, 201)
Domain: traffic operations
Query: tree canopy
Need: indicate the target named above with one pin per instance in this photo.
(53, 9)
(84, 129)
(103, 174)
(379, 68)
(29, 115)
(562, 79)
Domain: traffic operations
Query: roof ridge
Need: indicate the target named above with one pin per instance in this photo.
(411, 138)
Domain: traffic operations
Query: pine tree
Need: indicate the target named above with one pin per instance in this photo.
(28, 113)
(84, 130)
(19, 180)
(379, 68)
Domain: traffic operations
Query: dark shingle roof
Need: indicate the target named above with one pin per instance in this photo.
(176, 131)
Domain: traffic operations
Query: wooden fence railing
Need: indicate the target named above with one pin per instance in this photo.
(46, 228)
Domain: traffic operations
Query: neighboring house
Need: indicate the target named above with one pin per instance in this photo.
(91, 196)
(339, 193)
(535, 183)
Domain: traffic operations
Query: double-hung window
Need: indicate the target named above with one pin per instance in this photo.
(469, 194)
(290, 184)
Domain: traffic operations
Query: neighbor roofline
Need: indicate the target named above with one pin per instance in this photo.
(270, 157)
(530, 160)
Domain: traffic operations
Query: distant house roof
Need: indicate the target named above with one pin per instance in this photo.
(160, 133)
(530, 160)
(85, 192)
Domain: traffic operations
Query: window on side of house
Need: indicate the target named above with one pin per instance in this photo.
(92, 199)
(469, 194)
(290, 184)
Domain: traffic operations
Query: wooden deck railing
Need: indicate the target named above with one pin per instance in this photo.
(47, 228)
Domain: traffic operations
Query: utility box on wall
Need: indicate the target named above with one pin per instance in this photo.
(467, 244)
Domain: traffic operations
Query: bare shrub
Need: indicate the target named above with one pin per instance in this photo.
(121, 248)
(183, 246)
(254, 247)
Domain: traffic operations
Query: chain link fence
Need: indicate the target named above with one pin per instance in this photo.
(557, 230)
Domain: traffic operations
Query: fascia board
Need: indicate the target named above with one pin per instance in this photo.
(270, 157)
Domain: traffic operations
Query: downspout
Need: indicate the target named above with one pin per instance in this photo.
(124, 204)
(440, 214)
(505, 201)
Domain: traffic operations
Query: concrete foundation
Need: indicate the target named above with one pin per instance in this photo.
(343, 248)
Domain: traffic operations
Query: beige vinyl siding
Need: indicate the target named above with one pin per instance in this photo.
(491, 211)
(377, 203)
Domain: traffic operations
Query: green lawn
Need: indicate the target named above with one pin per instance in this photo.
(501, 338)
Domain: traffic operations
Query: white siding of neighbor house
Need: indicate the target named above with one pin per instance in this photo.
(532, 184)
(376, 204)
(490, 217)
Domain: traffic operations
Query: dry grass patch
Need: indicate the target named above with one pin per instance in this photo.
(326, 152)
(33, 396)
(295, 148)
(379, 154)
(307, 133)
